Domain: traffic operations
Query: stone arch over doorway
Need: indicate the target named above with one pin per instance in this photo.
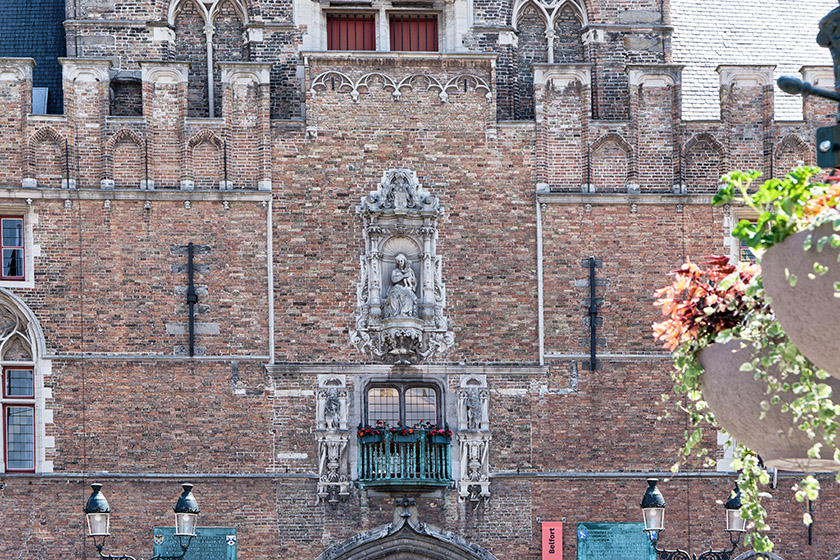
(406, 539)
(753, 555)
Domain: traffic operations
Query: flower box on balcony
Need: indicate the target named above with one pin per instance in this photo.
(371, 438)
(435, 438)
(404, 438)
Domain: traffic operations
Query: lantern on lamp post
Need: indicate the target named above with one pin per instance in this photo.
(98, 515)
(653, 513)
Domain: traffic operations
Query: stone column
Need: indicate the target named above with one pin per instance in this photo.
(165, 109)
(247, 112)
(562, 111)
(654, 118)
(86, 84)
(16, 92)
(746, 109)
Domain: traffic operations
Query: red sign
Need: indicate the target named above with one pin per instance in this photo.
(552, 540)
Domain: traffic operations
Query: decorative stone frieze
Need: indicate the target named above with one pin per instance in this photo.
(474, 438)
(401, 296)
(332, 437)
(340, 81)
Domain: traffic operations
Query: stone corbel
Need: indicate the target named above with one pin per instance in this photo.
(333, 482)
(474, 480)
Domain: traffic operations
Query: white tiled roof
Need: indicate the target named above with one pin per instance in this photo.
(712, 32)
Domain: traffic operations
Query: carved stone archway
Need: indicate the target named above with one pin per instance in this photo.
(753, 555)
(406, 539)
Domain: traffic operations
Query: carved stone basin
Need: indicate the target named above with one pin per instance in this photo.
(735, 398)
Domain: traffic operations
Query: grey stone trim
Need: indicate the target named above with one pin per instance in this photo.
(132, 194)
(283, 370)
(622, 198)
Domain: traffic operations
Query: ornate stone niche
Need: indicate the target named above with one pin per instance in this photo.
(401, 296)
(474, 438)
(332, 437)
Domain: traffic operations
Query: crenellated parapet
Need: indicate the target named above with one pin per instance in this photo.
(16, 90)
(653, 151)
(160, 148)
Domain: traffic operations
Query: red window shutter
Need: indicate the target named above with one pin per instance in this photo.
(351, 32)
(414, 33)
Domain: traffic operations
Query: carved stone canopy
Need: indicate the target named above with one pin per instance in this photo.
(400, 295)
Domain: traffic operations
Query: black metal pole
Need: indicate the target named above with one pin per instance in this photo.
(226, 175)
(67, 162)
(146, 145)
(192, 298)
(593, 316)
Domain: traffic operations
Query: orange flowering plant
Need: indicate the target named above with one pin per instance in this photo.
(702, 302)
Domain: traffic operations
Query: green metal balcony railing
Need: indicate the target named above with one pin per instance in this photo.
(418, 459)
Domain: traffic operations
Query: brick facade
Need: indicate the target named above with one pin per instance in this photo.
(540, 158)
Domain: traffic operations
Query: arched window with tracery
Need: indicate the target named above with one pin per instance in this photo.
(547, 31)
(23, 396)
(206, 32)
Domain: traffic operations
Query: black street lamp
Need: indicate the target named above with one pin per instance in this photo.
(653, 512)
(98, 514)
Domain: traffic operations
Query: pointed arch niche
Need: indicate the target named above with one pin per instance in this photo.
(207, 31)
(25, 444)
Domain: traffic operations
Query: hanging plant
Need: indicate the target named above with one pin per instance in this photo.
(724, 304)
(795, 234)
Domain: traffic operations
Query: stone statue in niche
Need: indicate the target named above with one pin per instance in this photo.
(400, 308)
(473, 406)
(332, 410)
(402, 300)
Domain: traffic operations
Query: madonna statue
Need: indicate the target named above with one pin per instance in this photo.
(402, 301)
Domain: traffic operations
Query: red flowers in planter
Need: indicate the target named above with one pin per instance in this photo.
(701, 302)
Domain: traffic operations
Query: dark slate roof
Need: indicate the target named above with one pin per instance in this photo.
(759, 32)
(34, 28)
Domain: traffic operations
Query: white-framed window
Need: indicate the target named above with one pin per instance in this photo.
(384, 25)
(23, 396)
(17, 247)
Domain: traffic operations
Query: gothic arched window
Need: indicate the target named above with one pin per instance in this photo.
(22, 397)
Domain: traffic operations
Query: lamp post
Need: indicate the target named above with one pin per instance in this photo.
(98, 514)
(653, 512)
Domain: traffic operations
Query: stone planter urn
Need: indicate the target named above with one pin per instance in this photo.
(735, 398)
(808, 312)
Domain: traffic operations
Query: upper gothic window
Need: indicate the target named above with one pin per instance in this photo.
(207, 32)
